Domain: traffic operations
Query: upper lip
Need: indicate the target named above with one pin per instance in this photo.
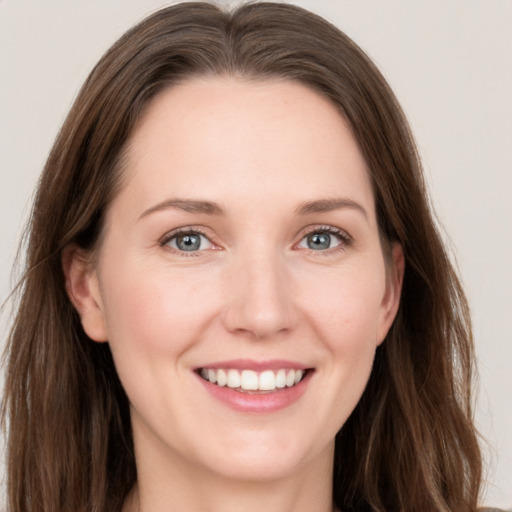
(257, 366)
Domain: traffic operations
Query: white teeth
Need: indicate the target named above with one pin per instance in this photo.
(233, 379)
(281, 379)
(249, 380)
(212, 377)
(267, 380)
(222, 378)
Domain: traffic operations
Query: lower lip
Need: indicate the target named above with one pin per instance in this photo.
(258, 403)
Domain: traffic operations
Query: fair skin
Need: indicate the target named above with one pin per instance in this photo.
(244, 238)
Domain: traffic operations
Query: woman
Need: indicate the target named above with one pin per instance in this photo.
(235, 293)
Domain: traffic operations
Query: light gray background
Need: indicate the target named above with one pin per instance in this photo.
(449, 62)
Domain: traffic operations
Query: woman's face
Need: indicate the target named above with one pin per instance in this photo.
(240, 282)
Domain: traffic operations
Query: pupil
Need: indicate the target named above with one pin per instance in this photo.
(319, 241)
(188, 242)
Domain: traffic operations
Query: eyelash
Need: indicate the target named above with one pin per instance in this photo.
(343, 237)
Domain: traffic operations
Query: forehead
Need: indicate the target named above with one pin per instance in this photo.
(235, 138)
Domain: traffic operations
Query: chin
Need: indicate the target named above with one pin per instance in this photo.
(259, 469)
(267, 460)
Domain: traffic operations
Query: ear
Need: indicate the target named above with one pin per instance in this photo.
(84, 293)
(391, 299)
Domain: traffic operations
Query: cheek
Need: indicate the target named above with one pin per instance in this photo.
(153, 312)
(346, 309)
(344, 315)
(153, 319)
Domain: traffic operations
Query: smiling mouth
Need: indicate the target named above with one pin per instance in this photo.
(252, 382)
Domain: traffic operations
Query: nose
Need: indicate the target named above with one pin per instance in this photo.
(259, 301)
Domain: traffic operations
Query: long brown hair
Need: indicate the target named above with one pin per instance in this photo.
(409, 445)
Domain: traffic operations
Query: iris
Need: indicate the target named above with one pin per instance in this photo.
(319, 241)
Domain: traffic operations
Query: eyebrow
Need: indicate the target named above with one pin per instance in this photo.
(186, 205)
(211, 208)
(328, 205)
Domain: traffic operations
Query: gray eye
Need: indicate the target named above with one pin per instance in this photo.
(189, 242)
(321, 240)
(318, 241)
